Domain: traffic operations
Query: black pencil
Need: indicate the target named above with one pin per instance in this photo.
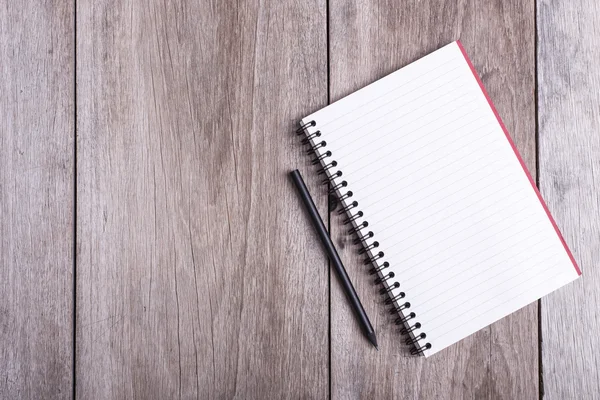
(336, 262)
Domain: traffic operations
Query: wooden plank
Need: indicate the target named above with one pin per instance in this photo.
(368, 41)
(198, 274)
(569, 157)
(36, 200)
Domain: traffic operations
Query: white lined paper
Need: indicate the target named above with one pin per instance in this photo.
(450, 205)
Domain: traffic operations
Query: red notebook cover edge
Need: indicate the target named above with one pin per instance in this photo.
(512, 144)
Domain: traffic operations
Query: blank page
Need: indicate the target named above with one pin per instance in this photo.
(445, 193)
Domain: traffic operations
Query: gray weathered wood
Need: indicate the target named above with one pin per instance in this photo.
(368, 41)
(36, 199)
(198, 273)
(569, 156)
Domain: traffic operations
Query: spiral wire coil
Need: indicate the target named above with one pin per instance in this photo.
(375, 259)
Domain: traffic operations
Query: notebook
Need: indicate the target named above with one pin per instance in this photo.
(440, 201)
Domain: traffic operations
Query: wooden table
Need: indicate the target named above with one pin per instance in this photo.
(151, 245)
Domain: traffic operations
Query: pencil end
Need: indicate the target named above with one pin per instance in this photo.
(373, 340)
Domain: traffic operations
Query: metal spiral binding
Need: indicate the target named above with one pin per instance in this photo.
(328, 168)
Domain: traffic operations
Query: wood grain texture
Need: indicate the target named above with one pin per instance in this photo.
(368, 41)
(569, 157)
(197, 271)
(36, 199)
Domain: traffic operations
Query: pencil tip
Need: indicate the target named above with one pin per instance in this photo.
(373, 340)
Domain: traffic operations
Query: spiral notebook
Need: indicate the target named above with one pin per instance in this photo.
(439, 199)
